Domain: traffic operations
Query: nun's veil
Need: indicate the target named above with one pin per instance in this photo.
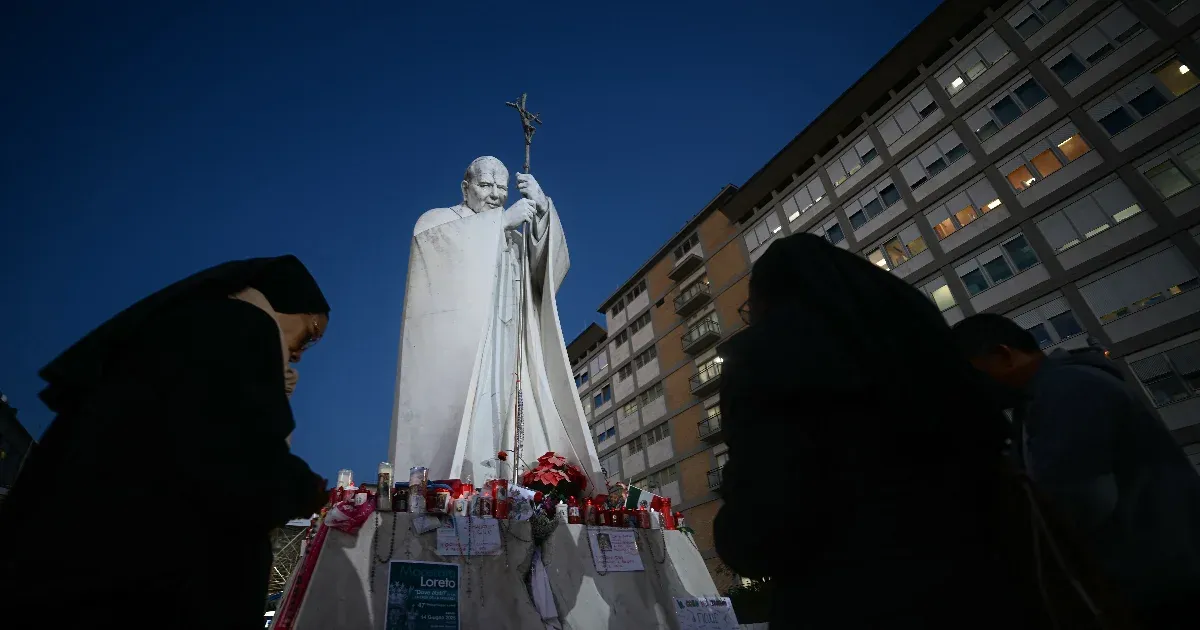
(837, 322)
(284, 280)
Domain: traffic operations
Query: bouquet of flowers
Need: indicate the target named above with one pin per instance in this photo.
(555, 478)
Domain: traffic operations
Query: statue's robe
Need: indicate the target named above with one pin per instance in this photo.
(455, 387)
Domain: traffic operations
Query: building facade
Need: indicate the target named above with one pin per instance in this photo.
(1038, 159)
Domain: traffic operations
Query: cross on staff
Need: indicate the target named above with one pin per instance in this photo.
(527, 120)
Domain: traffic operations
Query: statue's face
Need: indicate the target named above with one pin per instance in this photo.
(488, 189)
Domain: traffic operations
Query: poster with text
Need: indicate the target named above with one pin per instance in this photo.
(422, 596)
(705, 613)
(615, 549)
(460, 536)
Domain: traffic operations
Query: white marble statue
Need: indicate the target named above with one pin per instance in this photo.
(455, 395)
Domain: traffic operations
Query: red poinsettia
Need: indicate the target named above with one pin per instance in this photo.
(552, 459)
(555, 477)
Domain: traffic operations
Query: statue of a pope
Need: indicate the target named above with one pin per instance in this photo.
(463, 321)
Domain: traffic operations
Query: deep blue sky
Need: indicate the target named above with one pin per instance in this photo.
(145, 141)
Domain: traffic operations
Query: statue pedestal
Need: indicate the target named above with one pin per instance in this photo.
(343, 596)
(493, 592)
(587, 600)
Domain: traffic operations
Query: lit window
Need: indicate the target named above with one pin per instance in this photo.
(973, 63)
(940, 294)
(1176, 76)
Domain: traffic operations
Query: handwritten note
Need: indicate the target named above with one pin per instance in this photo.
(469, 537)
(615, 549)
(705, 613)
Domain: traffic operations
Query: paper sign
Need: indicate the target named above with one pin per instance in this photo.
(615, 549)
(422, 596)
(469, 537)
(705, 613)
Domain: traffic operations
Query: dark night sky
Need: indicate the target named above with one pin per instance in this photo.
(145, 141)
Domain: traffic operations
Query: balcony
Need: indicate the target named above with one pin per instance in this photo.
(692, 298)
(707, 379)
(710, 427)
(714, 478)
(701, 335)
(690, 262)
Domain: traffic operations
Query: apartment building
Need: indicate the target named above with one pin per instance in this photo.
(1039, 159)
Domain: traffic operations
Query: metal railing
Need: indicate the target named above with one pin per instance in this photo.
(715, 478)
(703, 327)
(688, 294)
(709, 425)
(710, 373)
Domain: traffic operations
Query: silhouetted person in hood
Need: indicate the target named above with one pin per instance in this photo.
(1105, 461)
(150, 499)
(866, 473)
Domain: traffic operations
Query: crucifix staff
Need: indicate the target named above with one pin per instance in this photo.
(527, 121)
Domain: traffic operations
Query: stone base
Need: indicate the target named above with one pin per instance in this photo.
(493, 593)
(342, 595)
(587, 600)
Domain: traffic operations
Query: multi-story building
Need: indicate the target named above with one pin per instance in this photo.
(1038, 159)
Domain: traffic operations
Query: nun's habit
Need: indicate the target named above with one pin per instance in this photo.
(150, 500)
(865, 456)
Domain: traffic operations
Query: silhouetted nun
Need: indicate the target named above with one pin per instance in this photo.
(150, 499)
(866, 472)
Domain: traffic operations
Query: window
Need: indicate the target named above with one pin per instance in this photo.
(640, 323)
(1175, 171)
(804, 198)
(972, 63)
(852, 160)
(996, 264)
(625, 372)
(630, 408)
(1032, 16)
(940, 294)
(933, 159)
(899, 249)
(637, 290)
(646, 357)
(586, 403)
(661, 478)
(761, 233)
(1170, 376)
(621, 337)
(975, 200)
(1143, 96)
(1089, 215)
(611, 466)
(1140, 285)
(581, 379)
(1044, 157)
(1049, 323)
(636, 445)
(872, 203)
(603, 396)
(1093, 44)
(604, 430)
(650, 395)
(831, 231)
(907, 116)
(660, 432)
(1010, 103)
(600, 362)
(687, 245)
(617, 308)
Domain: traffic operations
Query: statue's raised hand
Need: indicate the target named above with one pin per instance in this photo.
(532, 191)
(520, 212)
